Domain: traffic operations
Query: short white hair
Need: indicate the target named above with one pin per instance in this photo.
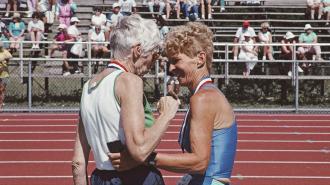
(130, 31)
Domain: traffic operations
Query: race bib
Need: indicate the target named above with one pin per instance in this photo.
(185, 180)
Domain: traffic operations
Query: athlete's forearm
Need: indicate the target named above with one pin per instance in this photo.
(182, 163)
(151, 138)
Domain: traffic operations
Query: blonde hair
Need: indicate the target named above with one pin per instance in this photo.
(265, 25)
(190, 39)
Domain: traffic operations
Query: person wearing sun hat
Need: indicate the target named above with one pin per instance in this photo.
(248, 53)
(265, 37)
(287, 53)
(309, 37)
(239, 38)
(16, 30)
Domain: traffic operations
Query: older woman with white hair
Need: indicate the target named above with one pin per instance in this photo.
(115, 115)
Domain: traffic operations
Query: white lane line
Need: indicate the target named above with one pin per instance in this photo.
(168, 149)
(241, 177)
(38, 119)
(66, 125)
(39, 132)
(240, 162)
(173, 140)
(173, 132)
(257, 150)
(173, 125)
(37, 140)
(272, 133)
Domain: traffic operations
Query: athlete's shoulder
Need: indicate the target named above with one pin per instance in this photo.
(205, 96)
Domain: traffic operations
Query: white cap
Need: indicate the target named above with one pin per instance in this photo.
(308, 27)
(74, 19)
(247, 34)
(62, 26)
(115, 5)
(289, 35)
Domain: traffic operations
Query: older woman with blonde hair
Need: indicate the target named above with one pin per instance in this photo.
(265, 37)
(208, 136)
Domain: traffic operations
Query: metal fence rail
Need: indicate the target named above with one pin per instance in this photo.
(32, 79)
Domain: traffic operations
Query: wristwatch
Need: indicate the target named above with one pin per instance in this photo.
(151, 160)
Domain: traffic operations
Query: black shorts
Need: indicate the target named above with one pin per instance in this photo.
(141, 175)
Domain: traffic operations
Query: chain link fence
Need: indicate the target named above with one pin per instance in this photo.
(36, 82)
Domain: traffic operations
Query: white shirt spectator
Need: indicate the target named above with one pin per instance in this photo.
(127, 5)
(73, 31)
(97, 37)
(240, 32)
(36, 25)
(43, 5)
(114, 18)
(99, 20)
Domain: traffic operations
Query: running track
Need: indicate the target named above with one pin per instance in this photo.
(36, 149)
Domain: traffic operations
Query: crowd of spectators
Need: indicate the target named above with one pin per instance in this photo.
(46, 12)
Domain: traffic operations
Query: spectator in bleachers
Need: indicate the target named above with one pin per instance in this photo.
(4, 72)
(47, 10)
(36, 29)
(100, 19)
(158, 3)
(248, 53)
(173, 5)
(32, 7)
(11, 5)
(112, 18)
(4, 39)
(98, 49)
(3, 27)
(64, 12)
(97, 35)
(314, 6)
(309, 37)
(221, 2)
(239, 37)
(287, 52)
(326, 9)
(265, 37)
(209, 8)
(128, 7)
(190, 9)
(16, 30)
(62, 36)
(163, 28)
(75, 35)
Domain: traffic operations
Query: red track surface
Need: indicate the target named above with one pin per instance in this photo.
(36, 149)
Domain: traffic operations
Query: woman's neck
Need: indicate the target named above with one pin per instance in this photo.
(197, 79)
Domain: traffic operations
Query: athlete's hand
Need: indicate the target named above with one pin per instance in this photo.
(122, 161)
(168, 106)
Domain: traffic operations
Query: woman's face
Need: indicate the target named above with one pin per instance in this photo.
(145, 63)
(15, 19)
(183, 67)
(309, 31)
(98, 13)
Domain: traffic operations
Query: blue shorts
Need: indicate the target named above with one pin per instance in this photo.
(141, 175)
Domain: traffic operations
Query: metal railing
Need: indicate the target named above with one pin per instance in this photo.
(26, 70)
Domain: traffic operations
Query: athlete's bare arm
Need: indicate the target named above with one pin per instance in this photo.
(202, 121)
(80, 156)
(140, 141)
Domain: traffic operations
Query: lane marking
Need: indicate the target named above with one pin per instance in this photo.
(240, 162)
(177, 176)
(166, 149)
(173, 140)
(38, 119)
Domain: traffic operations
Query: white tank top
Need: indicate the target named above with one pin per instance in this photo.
(100, 114)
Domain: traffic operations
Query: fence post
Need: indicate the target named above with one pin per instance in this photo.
(21, 60)
(30, 86)
(89, 53)
(296, 79)
(226, 66)
(165, 78)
